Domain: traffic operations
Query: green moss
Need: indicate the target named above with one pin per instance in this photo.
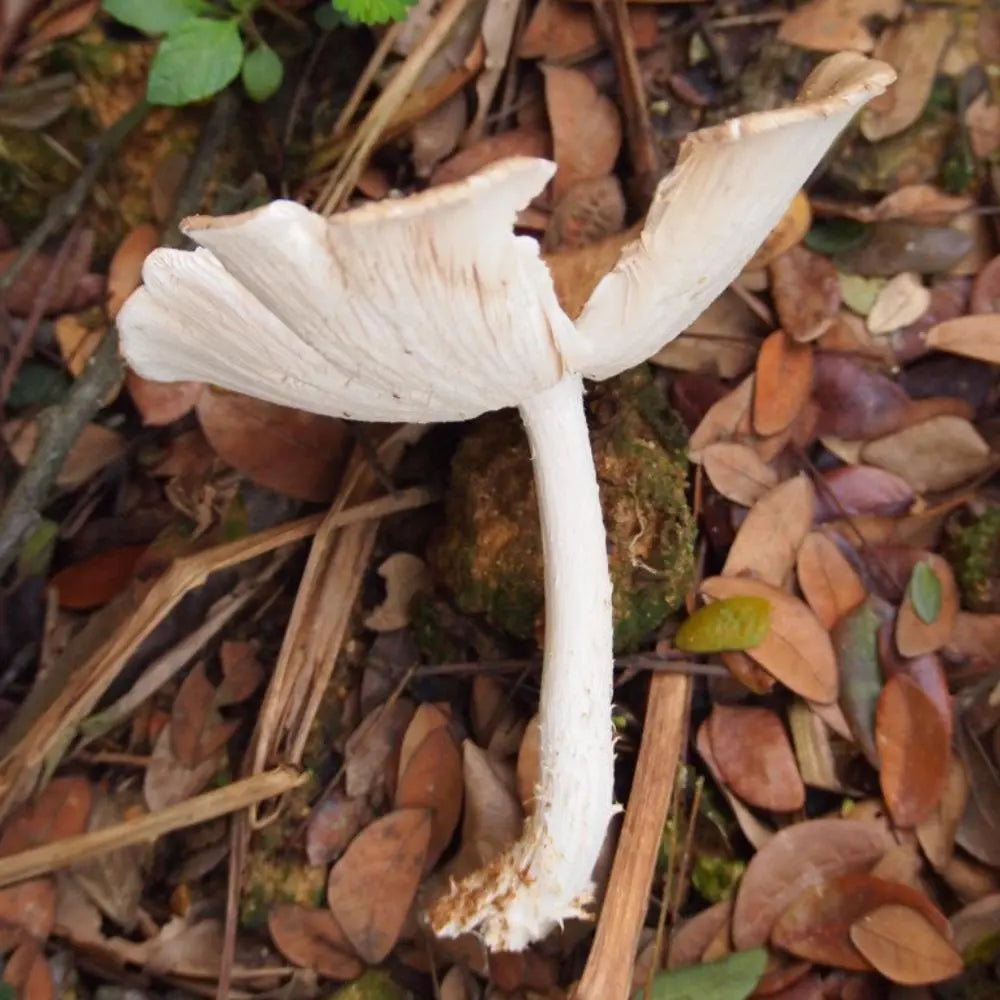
(975, 556)
(490, 555)
(373, 985)
(271, 880)
(715, 878)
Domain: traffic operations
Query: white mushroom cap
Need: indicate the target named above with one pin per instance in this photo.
(429, 308)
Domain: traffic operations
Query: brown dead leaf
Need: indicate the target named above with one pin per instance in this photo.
(975, 637)
(92, 582)
(432, 780)
(334, 822)
(789, 232)
(969, 336)
(373, 884)
(78, 336)
(915, 636)
(242, 672)
(932, 456)
(562, 32)
(692, 936)
(861, 489)
(796, 858)
(27, 908)
(370, 753)
(904, 946)
(828, 582)
(737, 472)
(198, 732)
(769, 538)
(426, 719)
(856, 403)
(73, 287)
(586, 128)
(784, 381)
(752, 676)
(27, 973)
(797, 650)
(95, 448)
(589, 211)
(914, 48)
(936, 832)
(405, 575)
(806, 293)
(575, 273)
(817, 924)
(902, 300)
(516, 142)
(918, 202)
(834, 25)
(913, 751)
(125, 269)
(313, 939)
(161, 403)
(168, 781)
(497, 725)
(60, 810)
(723, 419)
(295, 453)
(755, 758)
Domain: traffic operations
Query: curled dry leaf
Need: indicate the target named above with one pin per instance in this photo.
(373, 885)
(784, 381)
(755, 758)
(797, 650)
(827, 580)
(125, 269)
(817, 925)
(914, 634)
(913, 751)
(586, 128)
(405, 575)
(161, 403)
(902, 300)
(737, 472)
(291, 452)
(969, 336)
(905, 946)
(796, 858)
(932, 456)
(806, 293)
(914, 48)
(769, 538)
(95, 448)
(312, 938)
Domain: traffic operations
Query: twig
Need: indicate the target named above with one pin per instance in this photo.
(366, 79)
(146, 829)
(609, 966)
(64, 209)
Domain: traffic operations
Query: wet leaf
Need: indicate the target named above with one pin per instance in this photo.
(913, 751)
(313, 939)
(797, 649)
(586, 128)
(932, 593)
(855, 639)
(827, 580)
(736, 623)
(932, 456)
(817, 925)
(295, 453)
(731, 978)
(769, 539)
(784, 381)
(755, 758)
(59, 811)
(373, 884)
(969, 336)
(796, 858)
(905, 947)
(806, 293)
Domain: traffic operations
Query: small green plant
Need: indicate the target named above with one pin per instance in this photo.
(206, 44)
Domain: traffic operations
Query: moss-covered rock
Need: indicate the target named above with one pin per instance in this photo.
(490, 555)
(974, 552)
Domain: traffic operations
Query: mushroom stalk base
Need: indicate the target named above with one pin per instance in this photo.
(546, 877)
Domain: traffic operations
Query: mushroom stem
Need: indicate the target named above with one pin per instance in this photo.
(546, 877)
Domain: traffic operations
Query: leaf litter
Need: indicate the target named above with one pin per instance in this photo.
(836, 461)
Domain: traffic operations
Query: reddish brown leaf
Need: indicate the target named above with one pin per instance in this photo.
(563, 32)
(915, 636)
(784, 376)
(750, 674)
(588, 211)
(834, 25)
(161, 403)
(817, 924)
(96, 447)
(517, 142)
(198, 732)
(976, 637)
(797, 650)
(855, 402)
(925, 671)
(795, 859)
(89, 584)
(371, 752)
(242, 672)
(806, 293)
(586, 128)
(71, 291)
(426, 719)
(690, 938)
(372, 886)
(737, 472)
(27, 908)
(59, 811)
(291, 452)
(755, 758)
(334, 822)
(861, 489)
(913, 751)
(790, 231)
(769, 538)
(432, 780)
(125, 269)
(28, 973)
(936, 832)
(905, 947)
(313, 939)
(829, 583)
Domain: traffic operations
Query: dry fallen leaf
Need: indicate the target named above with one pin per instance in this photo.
(827, 580)
(92, 582)
(125, 269)
(168, 781)
(27, 908)
(691, 937)
(789, 232)
(373, 745)
(388, 855)
(588, 211)
(806, 293)
(562, 32)
(969, 336)
(797, 650)
(95, 448)
(784, 382)
(755, 758)
(904, 946)
(737, 472)
(27, 974)
(313, 939)
(405, 575)
(516, 142)
(60, 810)
(78, 336)
(197, 730)
(834, 25)
(936, 832)
(856, 402)
(902, 300)
(723, 419)
(161, 403)
(861, 489)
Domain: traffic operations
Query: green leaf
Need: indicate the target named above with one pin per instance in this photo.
(733, 624)
(855, 641)
(154, 17)
(262, 73)
(35, 556)
(836, 236)
(731, 978)
(925, 592)
(374, 11)
(196, 60)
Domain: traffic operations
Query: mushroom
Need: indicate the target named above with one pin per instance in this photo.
(429, 308)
